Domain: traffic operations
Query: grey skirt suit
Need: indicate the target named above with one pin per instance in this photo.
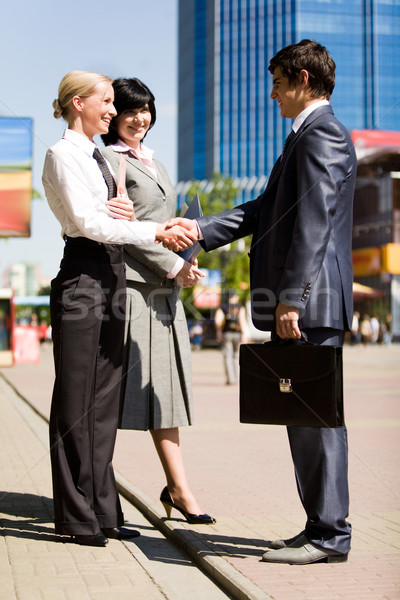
(156, 386)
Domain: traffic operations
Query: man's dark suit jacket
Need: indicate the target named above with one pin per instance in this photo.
(302, 228)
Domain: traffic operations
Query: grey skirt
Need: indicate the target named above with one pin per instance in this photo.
(157, 378)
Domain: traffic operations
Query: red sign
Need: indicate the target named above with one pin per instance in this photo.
(374, 138)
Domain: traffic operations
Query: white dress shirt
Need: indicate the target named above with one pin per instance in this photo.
(301, 117)
(76, 192)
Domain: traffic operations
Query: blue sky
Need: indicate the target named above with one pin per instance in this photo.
(41, 41)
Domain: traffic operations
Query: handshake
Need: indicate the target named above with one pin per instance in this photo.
(179, 234)
(175, 234)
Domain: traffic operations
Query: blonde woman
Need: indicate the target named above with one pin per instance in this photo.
(87, 312)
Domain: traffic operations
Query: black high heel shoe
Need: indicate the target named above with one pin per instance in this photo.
(192, 519)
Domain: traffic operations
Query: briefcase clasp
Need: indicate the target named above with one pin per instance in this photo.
(285, 385)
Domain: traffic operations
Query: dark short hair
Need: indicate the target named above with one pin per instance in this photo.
(312, 57)
(129, 94)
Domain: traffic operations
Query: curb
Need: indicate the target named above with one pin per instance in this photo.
(203, 554)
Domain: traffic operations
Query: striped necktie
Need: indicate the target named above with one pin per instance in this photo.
(287, 142)
(105, 171)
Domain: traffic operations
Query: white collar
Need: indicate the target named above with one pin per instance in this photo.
(120, 146)
(79, 140)
(301, 117)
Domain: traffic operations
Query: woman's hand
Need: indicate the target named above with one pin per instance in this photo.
(176, 237)
(189, 275)
(189, 224)
(121, 208)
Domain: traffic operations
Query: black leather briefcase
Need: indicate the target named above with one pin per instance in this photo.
(291, 384)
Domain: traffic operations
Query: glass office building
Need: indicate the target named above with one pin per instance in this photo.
(227, 121)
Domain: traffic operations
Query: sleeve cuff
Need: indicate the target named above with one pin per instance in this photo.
(201, 236)
(176, 268)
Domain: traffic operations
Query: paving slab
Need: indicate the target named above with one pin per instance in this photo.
(36, 563)
(243, 475)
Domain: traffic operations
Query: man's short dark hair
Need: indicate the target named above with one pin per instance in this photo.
(312, 57)
(129, 94)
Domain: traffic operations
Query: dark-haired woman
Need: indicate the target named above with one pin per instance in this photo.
(157, 364)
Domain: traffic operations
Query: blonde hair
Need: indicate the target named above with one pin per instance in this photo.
(75, 83)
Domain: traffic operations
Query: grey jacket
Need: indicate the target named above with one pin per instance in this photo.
(154, 199)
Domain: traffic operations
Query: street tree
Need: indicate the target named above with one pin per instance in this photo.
(231, 260)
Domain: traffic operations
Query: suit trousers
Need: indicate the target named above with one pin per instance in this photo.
(230, 351)
(320, 457)
(87, 306)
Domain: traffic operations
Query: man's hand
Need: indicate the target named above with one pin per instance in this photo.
(189, 275)
(287, 322)
(176, 236)
(121, 208)
(188, 224)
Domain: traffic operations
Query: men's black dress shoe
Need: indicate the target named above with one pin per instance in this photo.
(305, 554)
(121, 533)
(98, 539)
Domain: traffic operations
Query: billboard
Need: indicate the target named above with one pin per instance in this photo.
(207, 293)
(15, 176)
(375, 138)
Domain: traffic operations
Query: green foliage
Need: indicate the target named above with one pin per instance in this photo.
(25, 312)
(231, 260)
(44, 290)
(219, 195)
(42, 311)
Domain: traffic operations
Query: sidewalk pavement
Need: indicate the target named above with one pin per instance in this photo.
(35, 564)
(242, 474)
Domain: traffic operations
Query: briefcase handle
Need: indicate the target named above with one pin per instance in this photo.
(292, 342)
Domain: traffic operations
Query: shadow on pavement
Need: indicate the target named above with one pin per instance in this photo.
(30, 511)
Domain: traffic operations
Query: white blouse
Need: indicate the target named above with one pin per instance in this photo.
(76, 192)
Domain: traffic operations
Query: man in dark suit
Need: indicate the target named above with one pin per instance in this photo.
(301, 275)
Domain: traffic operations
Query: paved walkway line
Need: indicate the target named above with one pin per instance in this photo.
(191, 542)
(36, 564)
(184, 536)
(243, 475)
